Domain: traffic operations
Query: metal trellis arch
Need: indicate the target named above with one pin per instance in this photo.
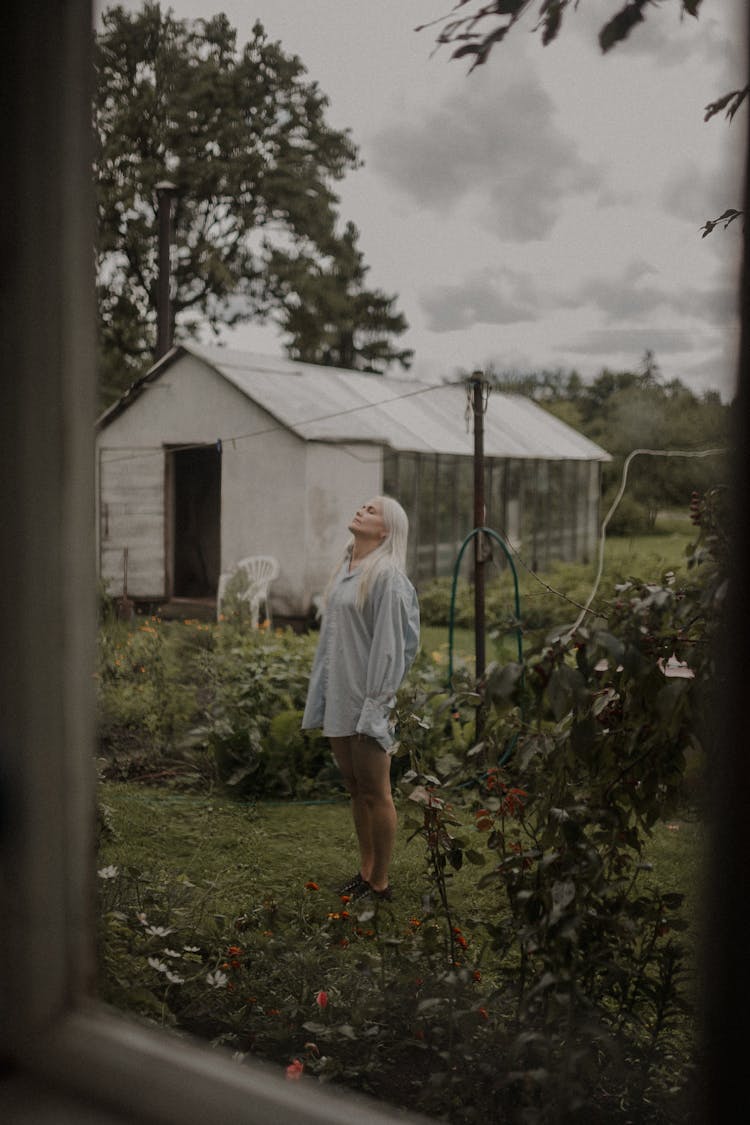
(501, 542)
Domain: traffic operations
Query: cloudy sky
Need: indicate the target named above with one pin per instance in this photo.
(544, 210)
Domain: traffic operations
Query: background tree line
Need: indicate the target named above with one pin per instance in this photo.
(626, 410)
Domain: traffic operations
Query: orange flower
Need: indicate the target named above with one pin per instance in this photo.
(484, 1014)
(295, 1069)
(476, 975)
(311, 886)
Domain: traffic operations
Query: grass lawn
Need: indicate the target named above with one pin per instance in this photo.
(245, 853)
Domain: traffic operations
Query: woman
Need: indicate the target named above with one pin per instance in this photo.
(368, 640)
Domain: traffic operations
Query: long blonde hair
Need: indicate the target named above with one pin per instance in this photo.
(389, 556)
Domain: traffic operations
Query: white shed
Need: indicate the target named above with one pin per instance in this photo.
(215, 455)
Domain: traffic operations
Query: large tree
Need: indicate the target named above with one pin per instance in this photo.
(242, 134)
(329, 314)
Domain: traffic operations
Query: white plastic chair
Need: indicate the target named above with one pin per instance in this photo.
(250, 582)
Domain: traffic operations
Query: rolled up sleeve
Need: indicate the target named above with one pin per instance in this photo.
(395, 640)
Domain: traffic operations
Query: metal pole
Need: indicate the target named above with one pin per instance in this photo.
(165, 191)
(479, 388)
(479, 385)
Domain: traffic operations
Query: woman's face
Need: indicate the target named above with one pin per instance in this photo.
(368, 522)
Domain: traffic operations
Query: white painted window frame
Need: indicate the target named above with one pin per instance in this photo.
(63, 1057)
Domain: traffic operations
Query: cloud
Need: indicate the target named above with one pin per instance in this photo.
(486, 297)
(494, 140)
(718, 306)
(636, 293)
(622, 297)
(630, 300)
(633, 342)
(695, 193)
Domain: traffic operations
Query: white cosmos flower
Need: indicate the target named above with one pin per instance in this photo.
(110, 872)
(217, 979)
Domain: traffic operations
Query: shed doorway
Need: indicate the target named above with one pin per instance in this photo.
(193, 521)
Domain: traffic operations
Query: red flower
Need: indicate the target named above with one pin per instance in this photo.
(295, 1069)
(321, 999)
(484, 1014)
(311, 886)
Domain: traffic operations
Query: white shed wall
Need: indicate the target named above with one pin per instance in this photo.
(263, 509)
(131, 519)
(262, 491)
(339, 478)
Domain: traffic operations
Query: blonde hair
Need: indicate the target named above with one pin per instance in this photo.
(389, 556)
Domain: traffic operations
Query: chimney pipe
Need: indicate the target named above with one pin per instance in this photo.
(165, 192)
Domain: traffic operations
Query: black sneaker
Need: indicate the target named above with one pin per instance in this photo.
(386, 895)
(353, 885)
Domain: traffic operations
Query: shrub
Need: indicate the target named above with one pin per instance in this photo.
(258, 686)
(149, 689)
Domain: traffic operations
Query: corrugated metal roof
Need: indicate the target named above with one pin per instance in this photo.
(332, 404)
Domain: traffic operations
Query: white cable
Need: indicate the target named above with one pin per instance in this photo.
(613, 509)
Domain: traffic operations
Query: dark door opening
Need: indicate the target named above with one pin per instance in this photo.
(196, 508)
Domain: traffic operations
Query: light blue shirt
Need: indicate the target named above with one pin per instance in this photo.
(362, 656)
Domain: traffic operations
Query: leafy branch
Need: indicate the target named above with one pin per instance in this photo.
(467, 31)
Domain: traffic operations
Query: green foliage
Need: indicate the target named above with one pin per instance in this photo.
(258, 684)
(627, 410)
(553, 599)
(242, 134)
(416, 1009)
(539, 968)
(150, 686)
(329, 315)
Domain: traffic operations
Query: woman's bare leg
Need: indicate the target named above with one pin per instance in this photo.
(342, 752)
(366, 773)
(371, 770)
